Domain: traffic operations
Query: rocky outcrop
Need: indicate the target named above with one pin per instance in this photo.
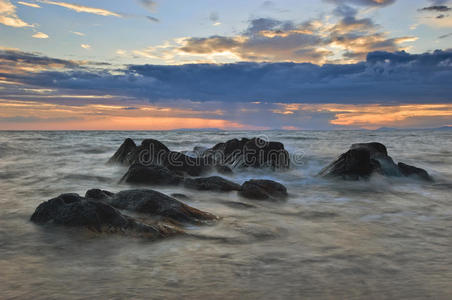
(253, 152)
(263, 190)
(234, 153)
(214, 183)
(365, 159)
(152, 203)
(76, 211)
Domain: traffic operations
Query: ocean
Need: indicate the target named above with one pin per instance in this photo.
(386, 238)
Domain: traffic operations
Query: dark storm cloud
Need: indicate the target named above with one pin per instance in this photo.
(384, 77)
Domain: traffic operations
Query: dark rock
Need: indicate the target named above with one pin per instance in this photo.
(76, 211)
(412, 171)
(149, 152)
(223, 169)
(374, 148)
(253, 152)
(150, 175)
(352, 165)
(213, 183)
(121, 155)
(263, 190)
(179, 162)
(365, 159)
(152, 203)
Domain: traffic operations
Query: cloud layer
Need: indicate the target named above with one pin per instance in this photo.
(271, 40)
(384, 77)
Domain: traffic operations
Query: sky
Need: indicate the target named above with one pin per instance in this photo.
(233, 65)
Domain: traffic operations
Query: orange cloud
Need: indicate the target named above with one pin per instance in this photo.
(372, 116)
(31, 115)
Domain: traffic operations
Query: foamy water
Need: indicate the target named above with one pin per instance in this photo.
(386, 238)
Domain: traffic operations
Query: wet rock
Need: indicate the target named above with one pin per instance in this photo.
(223, 169)
(213, 183)
(152, 203)
(150, 175)
(365, 159)
(411, 171)
(179, 162)
(253, 152)
(261, 189)
(352, 165)
(121, 155)
(149, 152)
(76, 211)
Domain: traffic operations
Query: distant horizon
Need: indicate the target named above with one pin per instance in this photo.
(236, 130)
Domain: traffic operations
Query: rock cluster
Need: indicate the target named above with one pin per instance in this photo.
(363, 160)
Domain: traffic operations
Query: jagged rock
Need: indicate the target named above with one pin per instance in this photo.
(412, 171)
(74, 210)
(150, 175)
(261, 189)
(253, 152)
(213, 183)
(365, 159)
(121, 155)
(149, 152)
(152, 203)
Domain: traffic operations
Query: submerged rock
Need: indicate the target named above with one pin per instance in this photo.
(76, 211)
(261, 189)
(365, 159)
(213, 183)
(152, 203)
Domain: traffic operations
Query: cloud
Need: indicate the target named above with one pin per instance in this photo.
(214, 17)
(271, 40)
(9, 17)
(85, 46)
(149, 4)
(15, 62)
(152, 19)
(437, 8)
(445, 36)
(34, 5)
(363, 2)
(384, 77)
(40, 35)
(78, 33)
(81, 8)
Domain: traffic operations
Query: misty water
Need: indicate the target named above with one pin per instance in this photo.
(385, 238)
